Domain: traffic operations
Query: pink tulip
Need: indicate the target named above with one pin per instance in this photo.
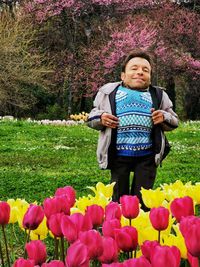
(159, 218)
(126, 238)
(83, 222)
(69, 229)
(93, 240)
(54, 224)
(110, 251)
(139, 262)
(193, 261)
(23, 263)
(51, 206)
(165, 256)
(69, 192)
(130, 206)
(147, 248)
(4, 213)
(96, 213)
(54, 263)
(182, 207)
(114, 264)
(33, 217)
(109, 227)
(113, 211)
(191, 235)
(77, 255)
(64, 204)
(36, 250)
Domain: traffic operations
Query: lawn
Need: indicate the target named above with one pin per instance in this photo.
(36, 159)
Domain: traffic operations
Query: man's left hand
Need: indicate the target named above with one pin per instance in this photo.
(157, 116)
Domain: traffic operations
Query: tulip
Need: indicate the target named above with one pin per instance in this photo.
(126, 238)
(93, 240)
(51, 206)
(64, 204)
(40, 232)
(54, 263)
(159, 218)
(83, 222)
(152, 198)
(96, 213)
(139, 262)
(165, 256)
(182, 207)
(33, 217)
(24, 263)
(130, 206)
(194, 261)
(101, 189)
(191, 234)
(4, 213)
(69, 192)
(77, 255)
(113, 211)
(36, 250)
(109, 227)
(54, 224)
(110, 251)
(114, 264)
(147, 248)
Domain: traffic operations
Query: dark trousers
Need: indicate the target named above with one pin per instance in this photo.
(144, 169)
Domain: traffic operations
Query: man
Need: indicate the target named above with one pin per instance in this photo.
(125, 114)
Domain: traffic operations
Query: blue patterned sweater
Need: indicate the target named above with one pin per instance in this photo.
(133, 108)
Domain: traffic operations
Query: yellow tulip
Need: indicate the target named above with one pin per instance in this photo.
(175, 190)
(82, 203)
(42, 229)
(193, 192)
(153, 198)
(14, 211)
(106, 190)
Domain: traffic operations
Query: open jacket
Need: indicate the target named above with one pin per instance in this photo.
(105, 102)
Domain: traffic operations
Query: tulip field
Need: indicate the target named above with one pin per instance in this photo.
(56, 208)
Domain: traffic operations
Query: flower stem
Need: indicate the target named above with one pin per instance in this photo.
(129, 222)
(159, 237)
(199, 261)
(6, 245)
(56, 241)
(1, 255)
(62, 249)
(27, 238)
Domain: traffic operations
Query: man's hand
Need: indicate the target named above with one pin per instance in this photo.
(157, 116)
(109, 120)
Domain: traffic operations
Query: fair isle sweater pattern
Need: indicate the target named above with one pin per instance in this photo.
(133, 108)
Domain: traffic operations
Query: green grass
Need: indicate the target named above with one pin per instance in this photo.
(36, 159)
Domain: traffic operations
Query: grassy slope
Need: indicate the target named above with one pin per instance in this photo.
(36, 159)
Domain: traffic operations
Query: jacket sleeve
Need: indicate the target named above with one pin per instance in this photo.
(170, 117)
(94, 118)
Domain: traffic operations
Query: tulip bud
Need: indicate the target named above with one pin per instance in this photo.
(77, 255)
(182, 207)
(113, 211)
(147, 248)
(126, 238)
(110, 251)
(130, 206)
(33, 217)
(51, 206)
(4, 213)
(93, 240)
(159, 218)
(36, 250)
(96, 213)
(69, 192)
(23, 263)
(54, 224)
(109, 227)
(139, 262)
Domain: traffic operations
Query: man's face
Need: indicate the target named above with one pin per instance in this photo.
(137, 73)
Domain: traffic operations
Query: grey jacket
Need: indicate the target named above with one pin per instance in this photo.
(103, 103)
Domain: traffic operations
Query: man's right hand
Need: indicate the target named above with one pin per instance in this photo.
(109, 120)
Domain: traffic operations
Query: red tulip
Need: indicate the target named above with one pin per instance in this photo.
(24, 263)
(191, 235)
(64, 204)
(113, 211)
(110, 251)
(51, 206)
(139, 262)
(159, 218)
(77, 255)
(69, 192)
(93, 240)
(54, 263)
(109, 227)
(33, 217)
(130, 206)
(96, 213)
(126, 238)
(193, 261)
(164, 256)
(54, 224)
(182, 207)
(83, 222)
(4, 213)
(36, 250)
(147, 248)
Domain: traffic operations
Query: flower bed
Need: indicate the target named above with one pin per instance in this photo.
(94, 231)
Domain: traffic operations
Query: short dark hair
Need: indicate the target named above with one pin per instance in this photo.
(135, 53)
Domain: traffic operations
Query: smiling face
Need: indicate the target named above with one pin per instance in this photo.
(137, 74)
